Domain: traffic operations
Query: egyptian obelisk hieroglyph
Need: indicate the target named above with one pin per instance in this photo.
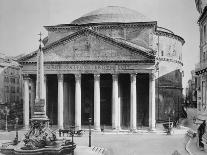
(39, 107)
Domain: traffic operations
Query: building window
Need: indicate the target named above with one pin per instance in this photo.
(203, 91)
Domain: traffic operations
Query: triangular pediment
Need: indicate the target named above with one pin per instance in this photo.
(87, 45)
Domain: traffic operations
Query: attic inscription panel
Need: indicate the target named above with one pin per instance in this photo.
(90, 68)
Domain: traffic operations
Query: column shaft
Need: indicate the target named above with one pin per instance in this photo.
(152, 101)
(32, 97)
(60, 101)
(26, 101)
(133, 104)
(97, 102)
(115, 100)
(78, 101)
(44, 93)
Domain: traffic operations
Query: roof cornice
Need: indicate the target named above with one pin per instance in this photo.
(171, 35)
(98, 25)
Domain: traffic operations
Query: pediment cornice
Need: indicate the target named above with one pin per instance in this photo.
(148, 53)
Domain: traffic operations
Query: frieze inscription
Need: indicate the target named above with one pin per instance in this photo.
(85, 67)
(89, 68)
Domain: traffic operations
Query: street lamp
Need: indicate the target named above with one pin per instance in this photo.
(72, 132)
(89, 132)
(16, 119)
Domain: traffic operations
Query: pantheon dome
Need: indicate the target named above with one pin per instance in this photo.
(111, 14)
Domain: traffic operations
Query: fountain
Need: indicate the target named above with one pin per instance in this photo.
(40, 139)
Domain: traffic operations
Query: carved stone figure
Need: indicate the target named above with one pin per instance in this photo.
(39, 136)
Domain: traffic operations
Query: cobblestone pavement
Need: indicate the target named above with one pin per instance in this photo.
(145, 143)
(133, 144)
(125, 144)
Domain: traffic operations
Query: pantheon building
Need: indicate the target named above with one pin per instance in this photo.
(114, 65)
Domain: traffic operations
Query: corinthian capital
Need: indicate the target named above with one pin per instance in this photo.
(26, 76)
(152, 76)
(133, 76)
(115, 76)
(96, 76)
(77, 76)
(60, 77)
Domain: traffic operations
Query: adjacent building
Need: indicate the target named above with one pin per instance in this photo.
(201, 67)
(191, 91)
(10, 89)
(114, 65)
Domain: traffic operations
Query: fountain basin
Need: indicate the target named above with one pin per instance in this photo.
(57, 149)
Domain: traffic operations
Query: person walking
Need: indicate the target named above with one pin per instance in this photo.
(201, 131)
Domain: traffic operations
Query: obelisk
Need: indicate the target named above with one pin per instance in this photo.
(39, 107)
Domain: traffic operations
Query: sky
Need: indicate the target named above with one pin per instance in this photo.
(22, 20)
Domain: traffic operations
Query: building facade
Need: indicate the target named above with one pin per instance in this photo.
(191, 91)
(10, 90)
(106, 65)
(201, 67)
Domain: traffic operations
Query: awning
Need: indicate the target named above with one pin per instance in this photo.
(200, 118)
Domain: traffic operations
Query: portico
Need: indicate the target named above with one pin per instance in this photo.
(113, 99)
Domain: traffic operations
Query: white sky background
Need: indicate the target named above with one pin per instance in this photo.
(22, 20)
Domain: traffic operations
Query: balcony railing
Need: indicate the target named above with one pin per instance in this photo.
(201, 65)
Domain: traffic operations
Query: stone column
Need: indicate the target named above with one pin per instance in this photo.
(60, 101)
(78, 101)
(152, 101)
(133, 104)
(115, 100)
(45, 93)
(96, 101)
(26, 101)
(32, 96)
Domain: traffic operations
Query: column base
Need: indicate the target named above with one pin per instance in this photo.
(77, 127)
(97, 130)
(60, 127)
(133, 130)
(26, 127)
(152, 129)
(116, 129)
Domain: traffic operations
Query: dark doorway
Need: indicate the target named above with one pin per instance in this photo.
(143, 99)
(124, 96)
(52, 85)
(106, 99)
(69, 100)
(87, 97)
